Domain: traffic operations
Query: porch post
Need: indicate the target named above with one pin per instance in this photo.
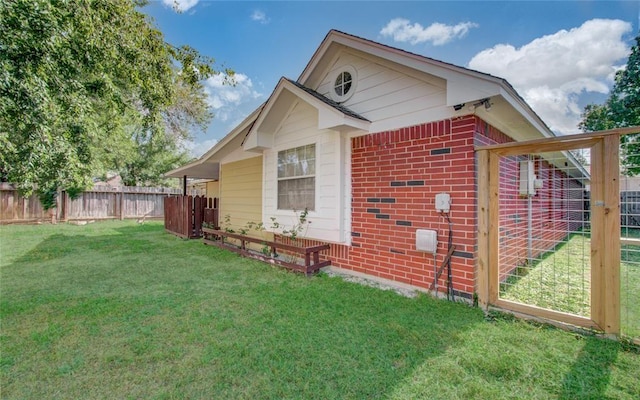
(184, 185)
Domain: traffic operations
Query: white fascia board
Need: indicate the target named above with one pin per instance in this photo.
(198, 169)
(330, 118)
(254, 140)
(258, 141)
(261, 135)
(518, 103)
(210, 160)
(233, 134)
(318, 56)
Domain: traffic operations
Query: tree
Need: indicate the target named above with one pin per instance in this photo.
(622, 109)
(87, 82)
(142, 159)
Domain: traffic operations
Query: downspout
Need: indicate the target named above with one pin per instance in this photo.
(529, 228)
(530, 215)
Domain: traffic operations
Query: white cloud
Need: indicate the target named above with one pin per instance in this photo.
(552, 72)
(225, 98)
(260, 16)
(180, 5)
(438, 34)
(197, 149)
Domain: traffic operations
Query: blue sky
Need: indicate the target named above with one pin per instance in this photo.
(559, 55)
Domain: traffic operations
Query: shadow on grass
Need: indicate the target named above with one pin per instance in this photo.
(133, 312)
(137, 312)
(591, 371)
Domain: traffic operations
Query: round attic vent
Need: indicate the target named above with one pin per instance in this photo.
(344, 83)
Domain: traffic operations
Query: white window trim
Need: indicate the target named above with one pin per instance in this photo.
(315, 175)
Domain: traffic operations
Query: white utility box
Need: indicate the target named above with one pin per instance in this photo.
(527, 178)
(427, 240)
(443, 202)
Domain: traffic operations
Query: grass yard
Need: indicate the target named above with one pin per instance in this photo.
(119, 310)
(561, 281)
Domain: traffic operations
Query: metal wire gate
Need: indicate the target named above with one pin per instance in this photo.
(550, 223)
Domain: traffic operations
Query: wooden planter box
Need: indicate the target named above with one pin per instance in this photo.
(309, 255)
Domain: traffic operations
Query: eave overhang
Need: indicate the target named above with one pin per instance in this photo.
(208, 165)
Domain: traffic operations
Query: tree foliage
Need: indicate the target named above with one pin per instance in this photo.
(622, 109)
(88, 86)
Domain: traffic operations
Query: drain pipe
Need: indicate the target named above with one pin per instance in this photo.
(527, 178)
(530, 228)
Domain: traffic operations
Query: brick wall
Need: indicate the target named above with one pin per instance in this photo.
(395, 178)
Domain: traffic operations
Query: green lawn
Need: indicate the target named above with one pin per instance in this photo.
(561, 281)
(117, 310)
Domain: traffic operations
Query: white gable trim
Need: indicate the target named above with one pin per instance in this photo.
(283, 98)
(463, 85)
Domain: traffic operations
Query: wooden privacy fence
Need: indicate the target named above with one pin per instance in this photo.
(185, 215)
(98, 203)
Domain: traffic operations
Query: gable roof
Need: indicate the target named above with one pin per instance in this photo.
(331, 115)
(510, 112)
(208, 165)
(464, 85)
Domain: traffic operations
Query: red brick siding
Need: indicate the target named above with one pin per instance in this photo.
(395, 177)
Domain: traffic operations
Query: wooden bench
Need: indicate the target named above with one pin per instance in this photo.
(310, 255)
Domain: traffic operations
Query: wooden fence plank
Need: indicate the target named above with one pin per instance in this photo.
(597, 235)
(184, 215)
(612, 234)
(482, 268)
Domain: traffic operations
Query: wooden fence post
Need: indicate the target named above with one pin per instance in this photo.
(612, 234)
(494, 227)
(597, 235)
(482, 267)
(65, 205)
(122, 203)
(187, 208)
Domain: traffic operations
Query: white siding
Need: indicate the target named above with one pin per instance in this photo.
(390, 98)
(299, 128)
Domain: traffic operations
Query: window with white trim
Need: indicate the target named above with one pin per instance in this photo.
(297, 178)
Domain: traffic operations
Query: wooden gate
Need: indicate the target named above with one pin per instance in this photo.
(512, 245)
(184, 216)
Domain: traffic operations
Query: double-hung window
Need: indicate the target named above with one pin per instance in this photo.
(297, 178)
